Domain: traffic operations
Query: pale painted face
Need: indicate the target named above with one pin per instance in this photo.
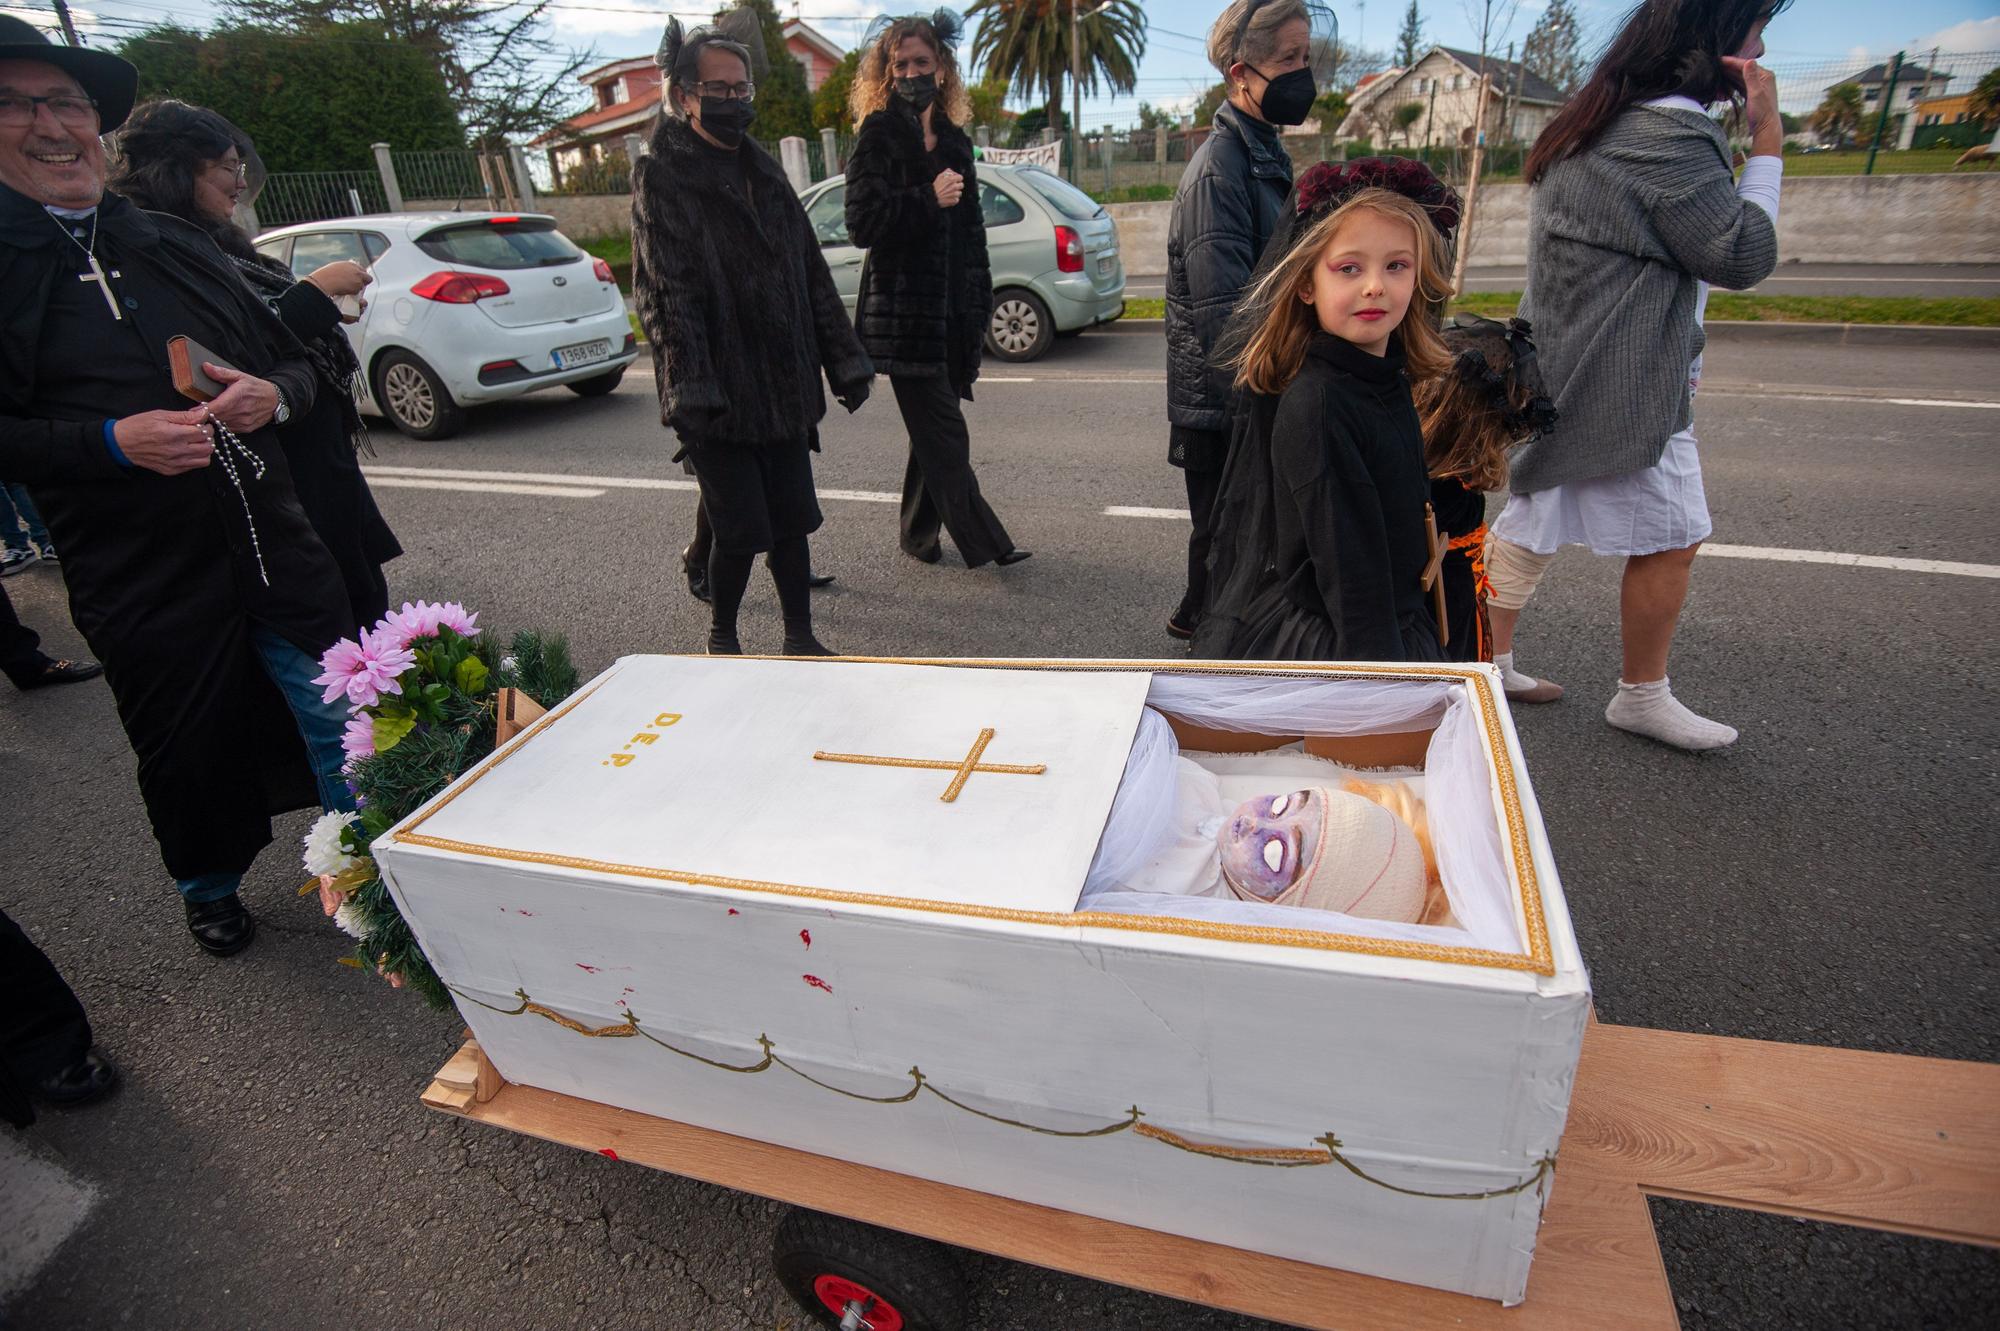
(1364, 280)
(47, 159)
(1268, 840)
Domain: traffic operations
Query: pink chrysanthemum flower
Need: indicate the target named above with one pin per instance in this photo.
(423, 619)
(358, 740)
(363, 671)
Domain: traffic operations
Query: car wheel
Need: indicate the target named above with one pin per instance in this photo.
(415, 399)
(1021, 328)
(598, 385)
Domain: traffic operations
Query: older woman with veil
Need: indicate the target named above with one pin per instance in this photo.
(927, 291)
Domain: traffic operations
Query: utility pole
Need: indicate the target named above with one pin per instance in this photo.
(1882, 121)
(69, 28)
(1077, 14)
(1471, 188)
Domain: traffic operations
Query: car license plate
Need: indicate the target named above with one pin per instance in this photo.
(583, 353)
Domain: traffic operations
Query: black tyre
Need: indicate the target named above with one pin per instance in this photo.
(414, 399)
(896, 1281)
(597, 386)
(1021, 328)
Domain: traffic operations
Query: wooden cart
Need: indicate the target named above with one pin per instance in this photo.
(1878, 1140)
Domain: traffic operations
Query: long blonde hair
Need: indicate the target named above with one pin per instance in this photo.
(1281, 323)
(874, 83)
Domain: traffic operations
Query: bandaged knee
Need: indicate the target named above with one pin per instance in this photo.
(1513, 571)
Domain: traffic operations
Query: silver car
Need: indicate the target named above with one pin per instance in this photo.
(1053, 250)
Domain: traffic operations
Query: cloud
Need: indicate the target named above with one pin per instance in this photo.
(1975, 34)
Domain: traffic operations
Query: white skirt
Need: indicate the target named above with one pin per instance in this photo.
(1639, 513)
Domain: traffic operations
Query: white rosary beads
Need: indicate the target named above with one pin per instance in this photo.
(226, 444)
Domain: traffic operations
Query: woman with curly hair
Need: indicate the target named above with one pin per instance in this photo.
(926, 291)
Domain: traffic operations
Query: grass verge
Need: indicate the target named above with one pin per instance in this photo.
(616, 251)
(1937, 311)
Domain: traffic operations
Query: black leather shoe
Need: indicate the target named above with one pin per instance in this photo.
(1179, 627)
(817, 581)
(1012, 557)
(60, 672)
(90, 1078)
(697, 576)
(223, 927)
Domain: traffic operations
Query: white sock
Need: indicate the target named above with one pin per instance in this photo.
(1653, 711)
(1511, 678)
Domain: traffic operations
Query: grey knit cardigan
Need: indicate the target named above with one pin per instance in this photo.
(1618, 236)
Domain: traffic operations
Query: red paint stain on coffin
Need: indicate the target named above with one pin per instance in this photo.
(530, 914)
(734, 911)
(806, 937)
(817, 983)
(607, 1153)
(592, 969)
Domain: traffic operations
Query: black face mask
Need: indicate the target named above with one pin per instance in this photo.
(919, 92)
(726, 118)
(1289, 97)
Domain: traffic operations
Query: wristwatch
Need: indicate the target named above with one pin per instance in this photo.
(283, 412)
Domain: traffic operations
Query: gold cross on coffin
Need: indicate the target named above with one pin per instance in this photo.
(961, 769)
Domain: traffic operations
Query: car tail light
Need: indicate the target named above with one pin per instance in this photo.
(631, 340)
(1069, 250)
(459, 288)
(603, 271)
(501, 221)
(499, 366)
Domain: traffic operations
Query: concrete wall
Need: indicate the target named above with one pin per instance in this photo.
(578, 216)
(1826, 219)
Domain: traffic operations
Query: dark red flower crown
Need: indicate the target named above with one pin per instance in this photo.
(1329, 184)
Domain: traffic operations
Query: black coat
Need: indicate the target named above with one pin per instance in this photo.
(163, 578)
(735, 297)
(1225, 210)
(927, 289)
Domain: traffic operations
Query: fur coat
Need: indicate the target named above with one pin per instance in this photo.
(735, 297)
(927, 290)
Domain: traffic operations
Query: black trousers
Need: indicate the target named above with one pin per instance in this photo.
(20, 646)
(939, 488)
(1203, 484)
(42, 1026)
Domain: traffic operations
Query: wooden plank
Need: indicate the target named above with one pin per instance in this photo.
(1881, 1140)
(1601, 1266)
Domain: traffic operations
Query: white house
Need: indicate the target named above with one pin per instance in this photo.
(1445, 83)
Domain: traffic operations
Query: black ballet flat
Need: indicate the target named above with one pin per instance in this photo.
(1013, 557)
(83, 1082)
(807, 646)
(819, 581)
(1179, 628)
(697, 576)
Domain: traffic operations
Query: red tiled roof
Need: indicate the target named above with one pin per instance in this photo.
(577, 126)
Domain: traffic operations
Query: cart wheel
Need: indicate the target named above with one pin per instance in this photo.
(856, 1277)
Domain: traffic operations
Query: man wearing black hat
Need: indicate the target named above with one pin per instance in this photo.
(192, 572)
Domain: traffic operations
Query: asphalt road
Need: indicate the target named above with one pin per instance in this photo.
(1791, 279)
(1827, 881)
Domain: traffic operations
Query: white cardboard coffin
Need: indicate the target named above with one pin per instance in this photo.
(730, 892)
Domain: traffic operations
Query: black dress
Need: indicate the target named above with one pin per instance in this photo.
(1461, 520)
(1336, 573)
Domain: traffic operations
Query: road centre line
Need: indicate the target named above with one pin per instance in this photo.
(1772, 553)
(540, 482)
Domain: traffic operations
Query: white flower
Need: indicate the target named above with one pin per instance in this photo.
(509, 664)
(324, 853)
(348, 917)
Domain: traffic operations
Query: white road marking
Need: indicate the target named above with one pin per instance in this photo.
(1775, 554)
(559, 483)
(485, 487)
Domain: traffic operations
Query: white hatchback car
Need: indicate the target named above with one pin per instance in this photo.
(467, 308)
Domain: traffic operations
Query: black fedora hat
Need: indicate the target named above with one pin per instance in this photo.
(111, 80)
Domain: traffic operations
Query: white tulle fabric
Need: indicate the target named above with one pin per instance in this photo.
(1457, 789)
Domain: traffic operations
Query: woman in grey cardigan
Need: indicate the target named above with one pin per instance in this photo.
(1634, 214)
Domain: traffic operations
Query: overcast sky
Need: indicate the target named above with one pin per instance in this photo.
(1174, 72)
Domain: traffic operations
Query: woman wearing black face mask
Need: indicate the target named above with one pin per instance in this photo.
(926, 292)
(743, 318)
(1224, 210)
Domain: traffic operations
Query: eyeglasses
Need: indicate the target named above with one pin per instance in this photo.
(240, 170)
(737, 92)
(17, 109)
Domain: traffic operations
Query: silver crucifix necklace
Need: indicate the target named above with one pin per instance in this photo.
(96, 273)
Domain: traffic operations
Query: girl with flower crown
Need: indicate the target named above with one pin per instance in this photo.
(1321, 546)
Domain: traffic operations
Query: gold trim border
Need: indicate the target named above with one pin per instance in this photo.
(1539, 958)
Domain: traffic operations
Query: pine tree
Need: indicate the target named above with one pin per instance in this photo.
(1555, 48)
(1410, 41)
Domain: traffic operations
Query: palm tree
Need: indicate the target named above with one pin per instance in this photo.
(1026, 43)
(1839, 115)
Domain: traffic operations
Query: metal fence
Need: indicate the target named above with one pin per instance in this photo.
(454, 175)
(313, 196)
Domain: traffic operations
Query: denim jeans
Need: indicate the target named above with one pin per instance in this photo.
(20, 521)
(321, 725)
